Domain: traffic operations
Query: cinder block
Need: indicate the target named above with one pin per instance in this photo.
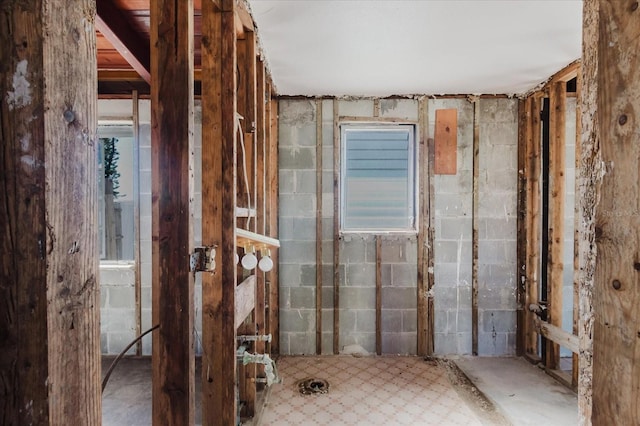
(360, 275)
(385, 270)
(358, 297)
(298, 252)
(460, 319)
(327, 321)
(299, 158)
(327, 111)
(116, 276)
(103, 298)
(356, 108)
(353, 251)
(366, 321)
(304, 229)
(493, 252)
(452, 274)
(441, 321)
(410, 320)
(285, 228)
(308, 275)
(497, 229)
(121, 297)
(404, 275)
(465, 343)
(499, 157)
(327, 137)
(347, 320)
(297, 320)
(492, 344)
(286, 181)
(498, 321)
(498, 134)
(145, 182)
(145, 136)
(104, 344)
(366, 340)
(456, 228)
(452, 205)
(391, 320)
(327, 274)
(496, 298)
(302, 343)
(290, 274)
(398, 298)
(119, 320)
(327, 343)
(303, 298)
(285, 348)
(297, 205)
(296, 112)
(399, 343)
(460, 183)
(399, 108)
(447, 251)
(306, 181)
(284, 298)
(445, 343)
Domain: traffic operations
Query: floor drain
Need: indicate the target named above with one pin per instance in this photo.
(313, 386)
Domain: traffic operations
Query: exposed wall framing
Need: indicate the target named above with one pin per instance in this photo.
(49, 294)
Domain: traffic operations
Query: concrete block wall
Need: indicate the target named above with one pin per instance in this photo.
(497, 262)
(452, 253)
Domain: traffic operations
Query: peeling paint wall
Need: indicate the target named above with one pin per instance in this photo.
(453, 221)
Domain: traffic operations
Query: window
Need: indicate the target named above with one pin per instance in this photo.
(116, 191)
(378, 178)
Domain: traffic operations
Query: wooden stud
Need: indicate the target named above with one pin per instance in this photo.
(576, 237)
(521, 226)
(171, 147)
(319, 226)
(137, 283)
(261, 152)
(336, 228)
(475, 224)
(430, 244)
(616, 293)
(219, 171)
(533, 221)
(446, 141)
(49, 291)
(557, 129)
(274, 318)
(424, 332)
(378, 295)
(590, 178)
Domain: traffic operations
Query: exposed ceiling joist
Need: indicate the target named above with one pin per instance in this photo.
(110, 21)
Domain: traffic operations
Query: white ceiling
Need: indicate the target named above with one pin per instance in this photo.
(407, 47)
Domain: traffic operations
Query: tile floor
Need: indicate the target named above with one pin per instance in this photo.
(366, 391)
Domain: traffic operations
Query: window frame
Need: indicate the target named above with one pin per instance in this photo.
(412, 180)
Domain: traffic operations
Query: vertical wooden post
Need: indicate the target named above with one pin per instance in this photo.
(533, 222)
(475, 220)
(576, 233)
(557, 123)
(612, 62)
(171, 147)
(521, 275)
(137, 282)
(219, 171)
(425, 302)
(49, 304)
(319, 226)
(336, 227)
(272, 177)
(259, 314)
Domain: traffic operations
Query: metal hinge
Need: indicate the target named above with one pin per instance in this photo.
(203, 259)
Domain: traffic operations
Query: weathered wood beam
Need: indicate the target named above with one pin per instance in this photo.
(522, 228)
(129, 75)
(533, 222)
(172, 125)
(555, 268)
(612, 62)
(557, 335)
(112, 24)
(219, 170)
(272, 224)
(319, 226)
(245, 299)
(336, 227)
(378, 295)
(475, 219)
(49, 303)
(425, 333)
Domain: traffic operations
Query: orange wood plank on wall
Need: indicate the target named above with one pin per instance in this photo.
(446, 141)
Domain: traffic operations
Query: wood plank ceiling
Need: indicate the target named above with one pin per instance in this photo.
(123, 61)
